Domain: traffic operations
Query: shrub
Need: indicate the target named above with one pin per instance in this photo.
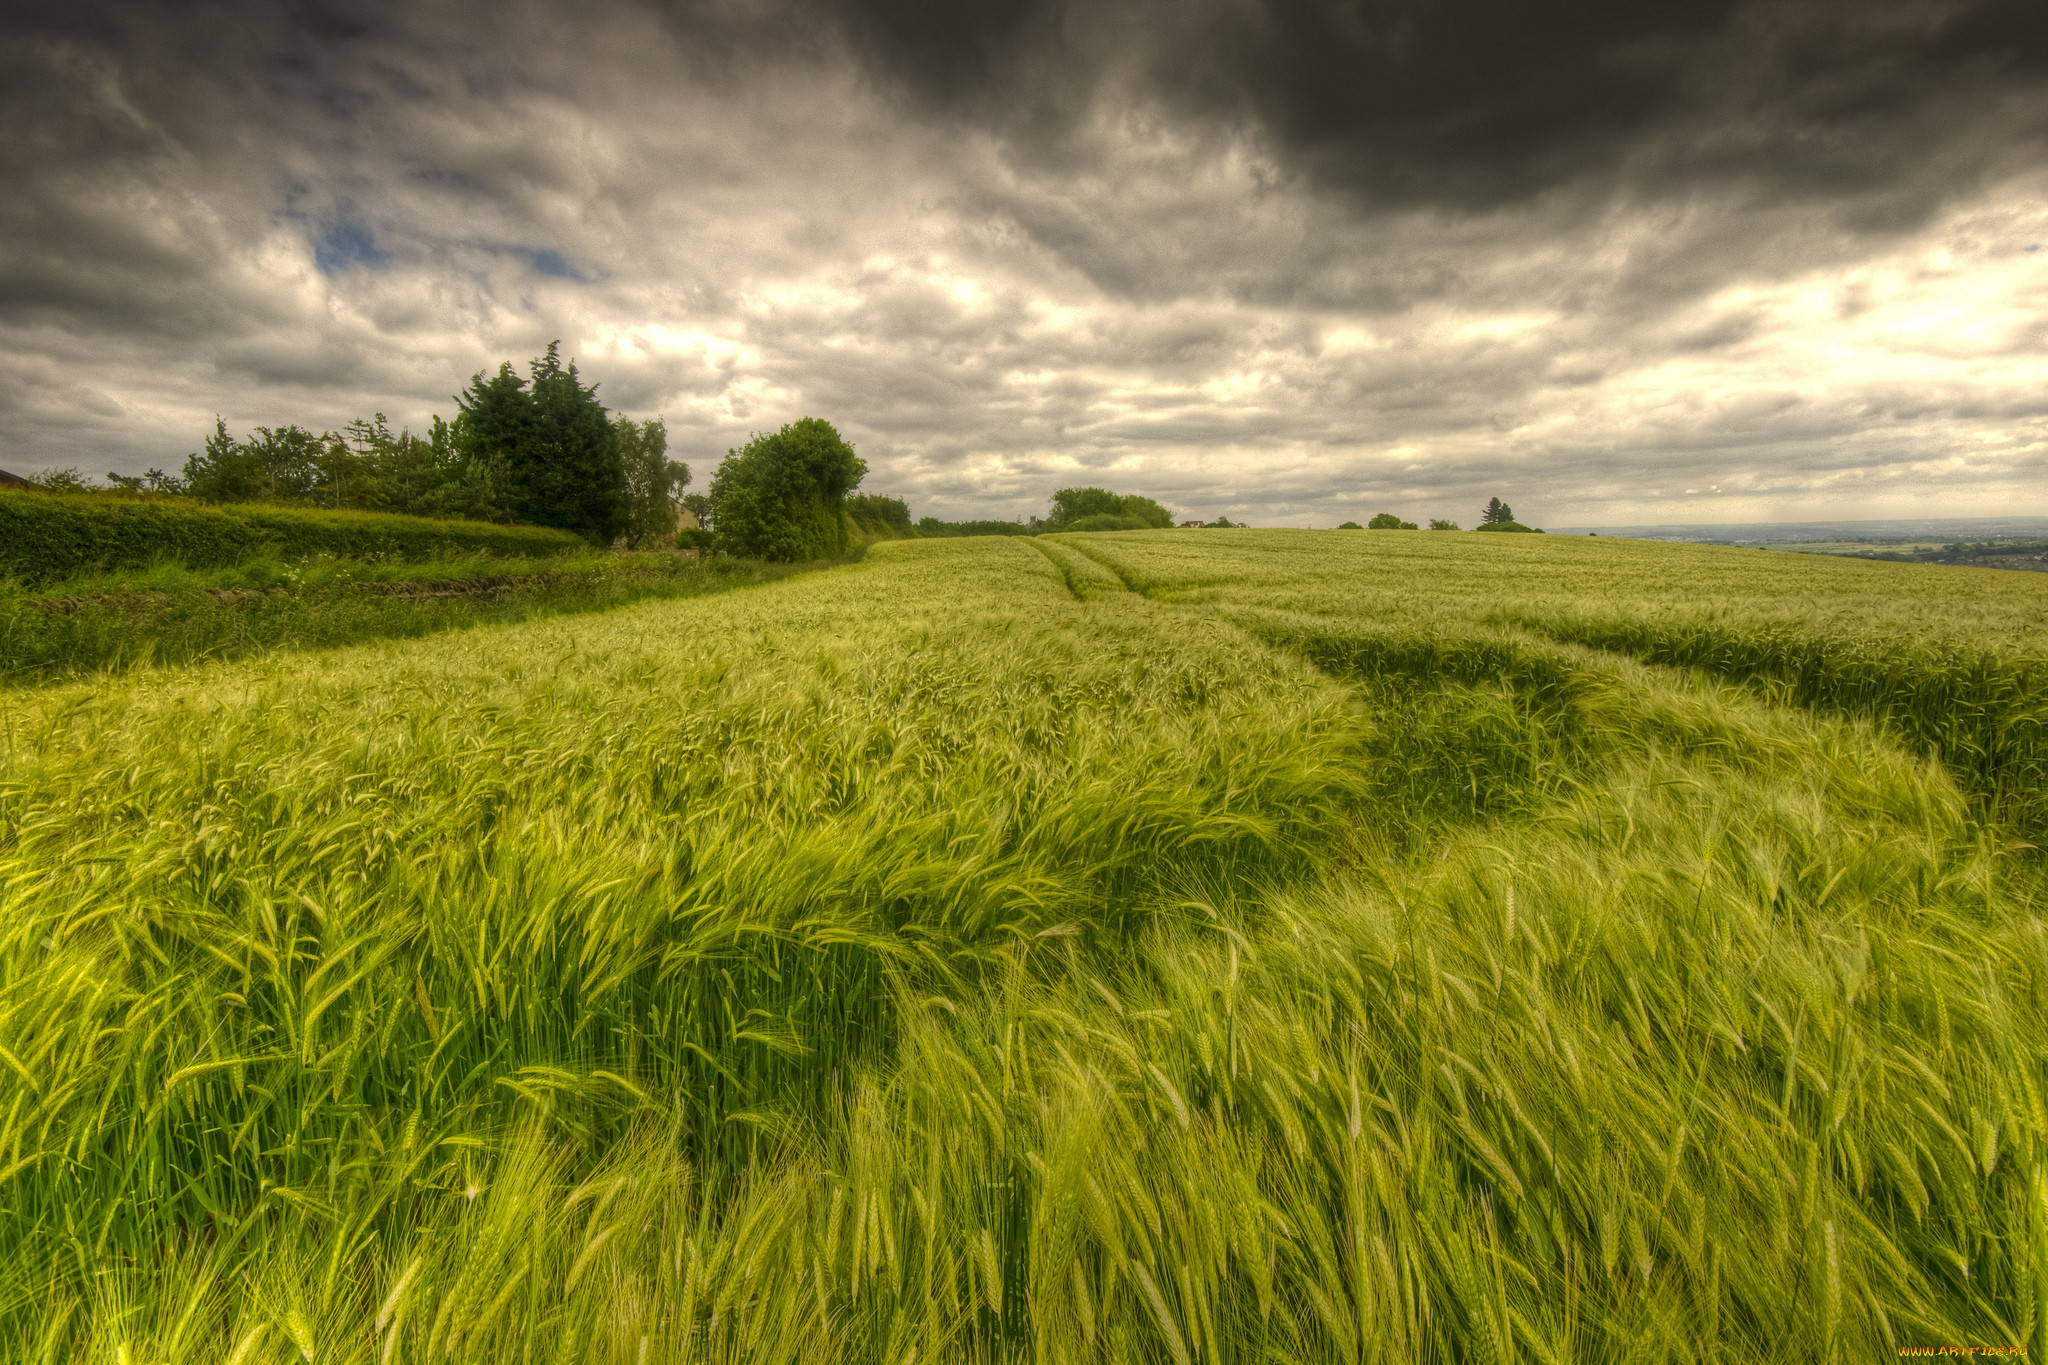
(1349, 526)
(1506, 526)
(45, 537)
(1387, 521)
(1439, 524)
(782, 496)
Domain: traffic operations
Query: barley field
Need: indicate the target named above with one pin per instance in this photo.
(1184, 946)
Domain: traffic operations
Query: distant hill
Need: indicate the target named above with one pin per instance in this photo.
(1937, 530)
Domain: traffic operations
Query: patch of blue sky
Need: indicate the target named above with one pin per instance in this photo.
(549, 262)
(343, 245)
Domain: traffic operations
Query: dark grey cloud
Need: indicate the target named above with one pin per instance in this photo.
(1276, 259)
(1478, 102)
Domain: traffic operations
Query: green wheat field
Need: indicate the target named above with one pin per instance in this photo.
(1188, 946)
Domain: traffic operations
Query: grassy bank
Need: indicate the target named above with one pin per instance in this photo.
(171, 614)
(1241, 946)
(45, 537)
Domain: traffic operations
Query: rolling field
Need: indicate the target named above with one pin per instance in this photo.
(1174, 946)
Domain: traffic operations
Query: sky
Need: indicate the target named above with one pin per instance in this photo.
(1289, 261)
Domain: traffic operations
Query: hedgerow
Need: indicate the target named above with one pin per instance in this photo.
(44, 537)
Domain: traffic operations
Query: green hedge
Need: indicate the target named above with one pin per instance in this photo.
(45, 537)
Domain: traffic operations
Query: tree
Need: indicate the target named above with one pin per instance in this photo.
(275, 464)
(1439, 524)
(1102, 510)
(492, 421)
(1387, 521)
(1496, 511)
(1071, 504)
(782, 496)
(155, 481)
(1147, 511)
(474, 485)
(652, 479)
(554, 442)
(698, 505)
(1349, 526)
(67, 480)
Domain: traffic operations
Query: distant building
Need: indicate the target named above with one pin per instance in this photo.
(8, 480)
(1197, 523)
(686, 520)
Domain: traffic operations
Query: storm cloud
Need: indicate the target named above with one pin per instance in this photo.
(1289, 261)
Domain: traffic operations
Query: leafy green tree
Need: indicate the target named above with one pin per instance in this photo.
(371, 467)
(1147, 511)
(1439, 524)
(652, 479)
(782, 496)
(463, 483)
(1071, 504)
(155, 481)
(698, 505)
(1387, 521)
(67, 480)
(1496, 511)
(1349, 526)
(1103, 510)
(275, 464)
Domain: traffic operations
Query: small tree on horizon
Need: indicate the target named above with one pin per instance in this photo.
(1387, 521)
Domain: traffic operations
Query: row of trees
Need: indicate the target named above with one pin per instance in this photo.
(790, 495)
(540, 449)
(1496, 516)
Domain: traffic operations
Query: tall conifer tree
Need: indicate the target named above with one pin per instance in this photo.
(554, 441)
